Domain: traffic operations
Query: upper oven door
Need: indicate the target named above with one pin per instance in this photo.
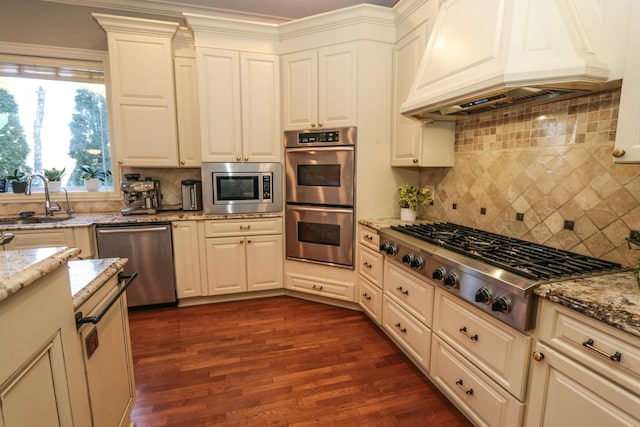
(320, 175)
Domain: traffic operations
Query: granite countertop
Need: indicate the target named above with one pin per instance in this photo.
(21, 268)
(378, 223)
(89, 219)
(87, 276)
(613, 299)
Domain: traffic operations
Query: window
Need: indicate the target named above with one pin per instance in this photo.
(53, 115)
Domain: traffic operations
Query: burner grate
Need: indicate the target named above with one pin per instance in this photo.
(526, 259)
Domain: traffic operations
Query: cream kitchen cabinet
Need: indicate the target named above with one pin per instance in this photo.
(239, 105)
(142, 90)
(82, 238)
(370, 273)
(187, 106)
(243, 255)
(320, 87)
(187, 242)
(585, 365)
(627, 149)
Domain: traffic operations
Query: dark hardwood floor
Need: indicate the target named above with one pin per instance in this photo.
(276, 362)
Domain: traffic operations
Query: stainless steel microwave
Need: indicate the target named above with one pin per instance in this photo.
(230, 188)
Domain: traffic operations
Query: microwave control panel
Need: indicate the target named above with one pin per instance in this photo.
(266, 187)
(319, 137)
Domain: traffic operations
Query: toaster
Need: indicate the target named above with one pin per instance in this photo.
(192, 195)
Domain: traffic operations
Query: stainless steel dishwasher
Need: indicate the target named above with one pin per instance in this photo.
(149, 250)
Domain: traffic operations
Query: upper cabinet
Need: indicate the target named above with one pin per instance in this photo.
(627, 148)
(320, 87)
(142, 90)
(239, 88)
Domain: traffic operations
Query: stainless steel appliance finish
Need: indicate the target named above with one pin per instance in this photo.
(149, 250)
(192, 195)
(495, 273)
(320, 166)
(230, 188)
(318, 234)
(320, 175)
(141, 197)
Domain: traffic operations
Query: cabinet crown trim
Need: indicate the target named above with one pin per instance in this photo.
(129, 25)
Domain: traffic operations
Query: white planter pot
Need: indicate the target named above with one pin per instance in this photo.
(54, 186)
(407, 214)
(92, 184)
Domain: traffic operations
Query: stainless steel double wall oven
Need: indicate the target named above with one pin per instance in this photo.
(320, 193)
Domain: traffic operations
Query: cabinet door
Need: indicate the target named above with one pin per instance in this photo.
(220, 105)
(300, 90)
(564, 393)
(226, 265)
(260, 77)
(405, 148)
(188, 112)
(143, 97)
(264, 262)
(337, 85)
(186, 259)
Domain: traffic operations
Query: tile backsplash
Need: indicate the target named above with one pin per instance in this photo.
(553, 164)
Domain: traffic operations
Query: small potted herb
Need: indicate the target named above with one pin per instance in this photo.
(18, 181)
(54, 176)
(93, 176)
(410, 198)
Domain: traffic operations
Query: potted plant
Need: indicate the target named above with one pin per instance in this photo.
(93, 176)
(18, 181)
(54, 176)
(410, 198)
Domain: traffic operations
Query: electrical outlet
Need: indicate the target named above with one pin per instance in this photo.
(634, 235)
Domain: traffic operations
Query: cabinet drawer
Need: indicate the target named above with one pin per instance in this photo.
(413, 294)
(370, 265)
(499, 350)
(486, 403)
(331, 289)
(570, 332)
(370, 299)
(369, 237)
(213, 228)
(413, 337)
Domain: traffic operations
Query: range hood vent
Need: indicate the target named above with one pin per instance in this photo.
(490, 54)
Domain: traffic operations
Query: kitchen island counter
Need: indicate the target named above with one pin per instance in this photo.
(613, 299)
(21, 268)
(88, 276)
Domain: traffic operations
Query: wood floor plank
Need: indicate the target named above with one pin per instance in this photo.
(276, 361)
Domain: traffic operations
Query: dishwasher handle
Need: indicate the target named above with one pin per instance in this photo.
(118, 230)
(95, 319)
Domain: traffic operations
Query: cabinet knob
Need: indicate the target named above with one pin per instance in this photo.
(246, 159)
(175, 225)
(248, 242)
(238, 158)
(320, 124)
(618, 152)
(182, 162)
(119, 162)
(313, 125)
(537, 356)
(415, 161)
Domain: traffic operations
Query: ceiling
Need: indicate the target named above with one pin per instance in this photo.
(283, 10)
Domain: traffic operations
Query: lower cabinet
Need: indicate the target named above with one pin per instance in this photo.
(412, 336)
(585, 365)
(370, 273)
(106, 349)
(72, 237)
(186, 237)
(243, 255)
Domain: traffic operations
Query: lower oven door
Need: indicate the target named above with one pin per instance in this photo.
(320, 234)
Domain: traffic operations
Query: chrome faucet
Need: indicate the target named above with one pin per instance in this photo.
(66, 196)
(48, 208)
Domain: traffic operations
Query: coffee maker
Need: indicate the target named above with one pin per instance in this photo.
(141, 197)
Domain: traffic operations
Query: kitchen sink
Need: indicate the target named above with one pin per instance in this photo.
(33, 220)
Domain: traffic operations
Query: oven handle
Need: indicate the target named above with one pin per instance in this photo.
(307, 208)
(321, 149)
(95, 319)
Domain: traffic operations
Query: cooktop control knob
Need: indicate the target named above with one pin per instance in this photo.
(501, 304)
(389, 248)
(407, 258)
(451, 280)
(438, 273)
(417, 263)
(384, 246)
(483, 295)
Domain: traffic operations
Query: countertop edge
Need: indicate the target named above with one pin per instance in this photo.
(106, 272)
(35, 271)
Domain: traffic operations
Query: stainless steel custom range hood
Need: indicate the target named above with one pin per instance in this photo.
(483, 55)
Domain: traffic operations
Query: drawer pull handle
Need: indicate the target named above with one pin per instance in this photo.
(366, 236)
(464, 332)
(399, 289)
(317, 287)
(367, 297)
(403, 330)
(248, 227)
(460, 384)
(615, 357)
(366, 264)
